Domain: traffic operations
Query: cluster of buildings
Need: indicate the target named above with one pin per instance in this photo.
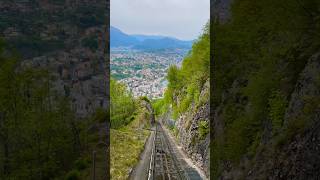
(144, 72)
(149, 86)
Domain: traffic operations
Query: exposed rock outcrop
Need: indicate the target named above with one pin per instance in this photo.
(307, 90)
(299, 158)
(294, 154)
(67, 38)
(192, 132)
(193, 142)
(221, 10)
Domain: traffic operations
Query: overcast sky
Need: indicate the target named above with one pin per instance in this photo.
(183, 19)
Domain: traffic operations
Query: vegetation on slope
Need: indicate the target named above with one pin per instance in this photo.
(185, 83)
(258, 56)
(122, 159)
(37, 140)
(122, 104)
(40, 136)
(37, 135)
(129, 120)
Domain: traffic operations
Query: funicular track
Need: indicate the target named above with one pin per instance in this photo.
(166, 166)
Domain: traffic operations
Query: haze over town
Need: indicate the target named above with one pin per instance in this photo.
(149, 36)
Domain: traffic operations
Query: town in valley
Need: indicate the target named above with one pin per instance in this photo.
(144, 72)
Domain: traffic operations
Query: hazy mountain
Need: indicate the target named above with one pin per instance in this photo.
(145, 42)
(145, 37)
(118, 38)
(163, 43)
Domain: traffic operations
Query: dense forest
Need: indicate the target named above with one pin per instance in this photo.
(52, 89)
(40, 136)
(266, 88)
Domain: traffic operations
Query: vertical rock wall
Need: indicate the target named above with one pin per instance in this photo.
(67, 37)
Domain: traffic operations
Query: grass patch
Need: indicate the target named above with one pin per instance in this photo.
(126, 145)
(188, 124)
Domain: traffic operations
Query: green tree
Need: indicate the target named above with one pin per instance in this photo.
(122, 104)
(39, 138)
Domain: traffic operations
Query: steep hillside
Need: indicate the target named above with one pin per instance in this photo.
(266, 90)
(66, 37)
(53, 89)
(130, 120)
(185, 107)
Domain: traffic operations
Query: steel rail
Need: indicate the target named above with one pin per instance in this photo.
(183, 176)
(165, 156)
(152, 158)
(160, 154)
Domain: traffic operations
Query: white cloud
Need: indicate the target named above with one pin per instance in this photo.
(183, 19)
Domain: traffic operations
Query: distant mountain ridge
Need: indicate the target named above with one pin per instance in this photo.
(145, 42)
(118, 38)
(145, 37)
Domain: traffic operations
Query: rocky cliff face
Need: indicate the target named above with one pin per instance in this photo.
(221, 10)
(299, 158)
(192, 132)
(192, 140)
(266, 115)
(293, 154)
(68, 38)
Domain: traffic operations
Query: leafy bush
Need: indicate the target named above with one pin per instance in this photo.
(81, 164)
(73, 175)
(277, 104)
(160, 106)
(145, 98)
(203, 129)
(237, 140)
(90, 42)
(101, 115)
(122, 104)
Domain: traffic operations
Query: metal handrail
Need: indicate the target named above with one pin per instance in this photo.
(101, 143)
(152, 158)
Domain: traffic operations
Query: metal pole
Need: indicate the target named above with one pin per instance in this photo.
(94, 165)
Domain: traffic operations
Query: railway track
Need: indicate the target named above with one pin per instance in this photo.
(165, 162)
